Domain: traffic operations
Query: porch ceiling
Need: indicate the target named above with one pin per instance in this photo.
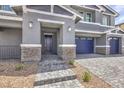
(10, 23)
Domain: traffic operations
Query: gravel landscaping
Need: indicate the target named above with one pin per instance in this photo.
(11, 78)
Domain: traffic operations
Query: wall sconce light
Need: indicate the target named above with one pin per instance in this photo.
(30, 24)
(69, 28)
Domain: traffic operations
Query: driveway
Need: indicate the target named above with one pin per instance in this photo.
(109, 68)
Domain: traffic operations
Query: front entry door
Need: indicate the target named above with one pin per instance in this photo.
(48, 44)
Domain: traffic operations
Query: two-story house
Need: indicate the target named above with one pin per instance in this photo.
(30, 31)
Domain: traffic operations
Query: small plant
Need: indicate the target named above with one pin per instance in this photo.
(19, 67)
(86, 77)
(71, 62)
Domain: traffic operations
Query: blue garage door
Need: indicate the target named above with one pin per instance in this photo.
(114, 45)
(85, 45)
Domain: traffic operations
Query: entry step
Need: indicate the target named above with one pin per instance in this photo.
(64, 84)
(54, 76)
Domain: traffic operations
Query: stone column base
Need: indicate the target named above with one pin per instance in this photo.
(30, 52)
(122, 50)
(103, 50)
(67, 52)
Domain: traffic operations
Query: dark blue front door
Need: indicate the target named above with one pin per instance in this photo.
(84, 45)
(114, 45)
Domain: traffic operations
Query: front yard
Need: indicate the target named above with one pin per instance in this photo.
(95, 81)
(11, 78)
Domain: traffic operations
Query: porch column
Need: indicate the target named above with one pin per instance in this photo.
(66, 45)
(31, 38)
(102, 46)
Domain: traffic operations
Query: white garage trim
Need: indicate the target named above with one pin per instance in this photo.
(102, 46)
(31, 45)
(67, 45)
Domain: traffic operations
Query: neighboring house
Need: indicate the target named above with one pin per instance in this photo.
(28, 32)
(120, 26)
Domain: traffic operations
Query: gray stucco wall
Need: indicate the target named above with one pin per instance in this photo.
(10, 37)
(98, 18)
(32, 35)
(101, 40)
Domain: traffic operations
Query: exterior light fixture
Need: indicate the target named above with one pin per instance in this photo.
(30, 24)
(69, 28)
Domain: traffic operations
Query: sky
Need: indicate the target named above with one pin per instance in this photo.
(120, 10)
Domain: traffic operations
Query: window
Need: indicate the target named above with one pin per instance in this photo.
(5, 7)
(105, 20)
(88, 17)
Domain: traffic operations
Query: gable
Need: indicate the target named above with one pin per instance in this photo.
(46, 8)
(106, 10)
(92, 6)
(59, 10)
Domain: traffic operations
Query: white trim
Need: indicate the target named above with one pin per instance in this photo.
(11, 18)
(122, 46)
(96, 24)
(108, 14)
(30, 45)
(102, 46)
(95, 32)
(52, 8)
(107, 26)
(89, 22)
(116, 34)
(87, 7)
(50, 21)
(67, 45)
(48, 13)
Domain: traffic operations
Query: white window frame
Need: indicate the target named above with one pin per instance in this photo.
(107, 20)
(86, 16)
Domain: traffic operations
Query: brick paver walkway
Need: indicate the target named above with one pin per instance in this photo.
(109, 68)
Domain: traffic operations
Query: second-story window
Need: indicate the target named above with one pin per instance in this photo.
(5, 7)
(88, 17)
(105, 20)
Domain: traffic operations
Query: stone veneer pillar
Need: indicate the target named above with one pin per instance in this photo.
(31, 52)
(103, 50)
(67, 52)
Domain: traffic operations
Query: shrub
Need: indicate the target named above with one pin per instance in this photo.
(86, 77)
(71, 62)
(19, 67)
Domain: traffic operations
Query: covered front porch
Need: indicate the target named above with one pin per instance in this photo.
(10, 37)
